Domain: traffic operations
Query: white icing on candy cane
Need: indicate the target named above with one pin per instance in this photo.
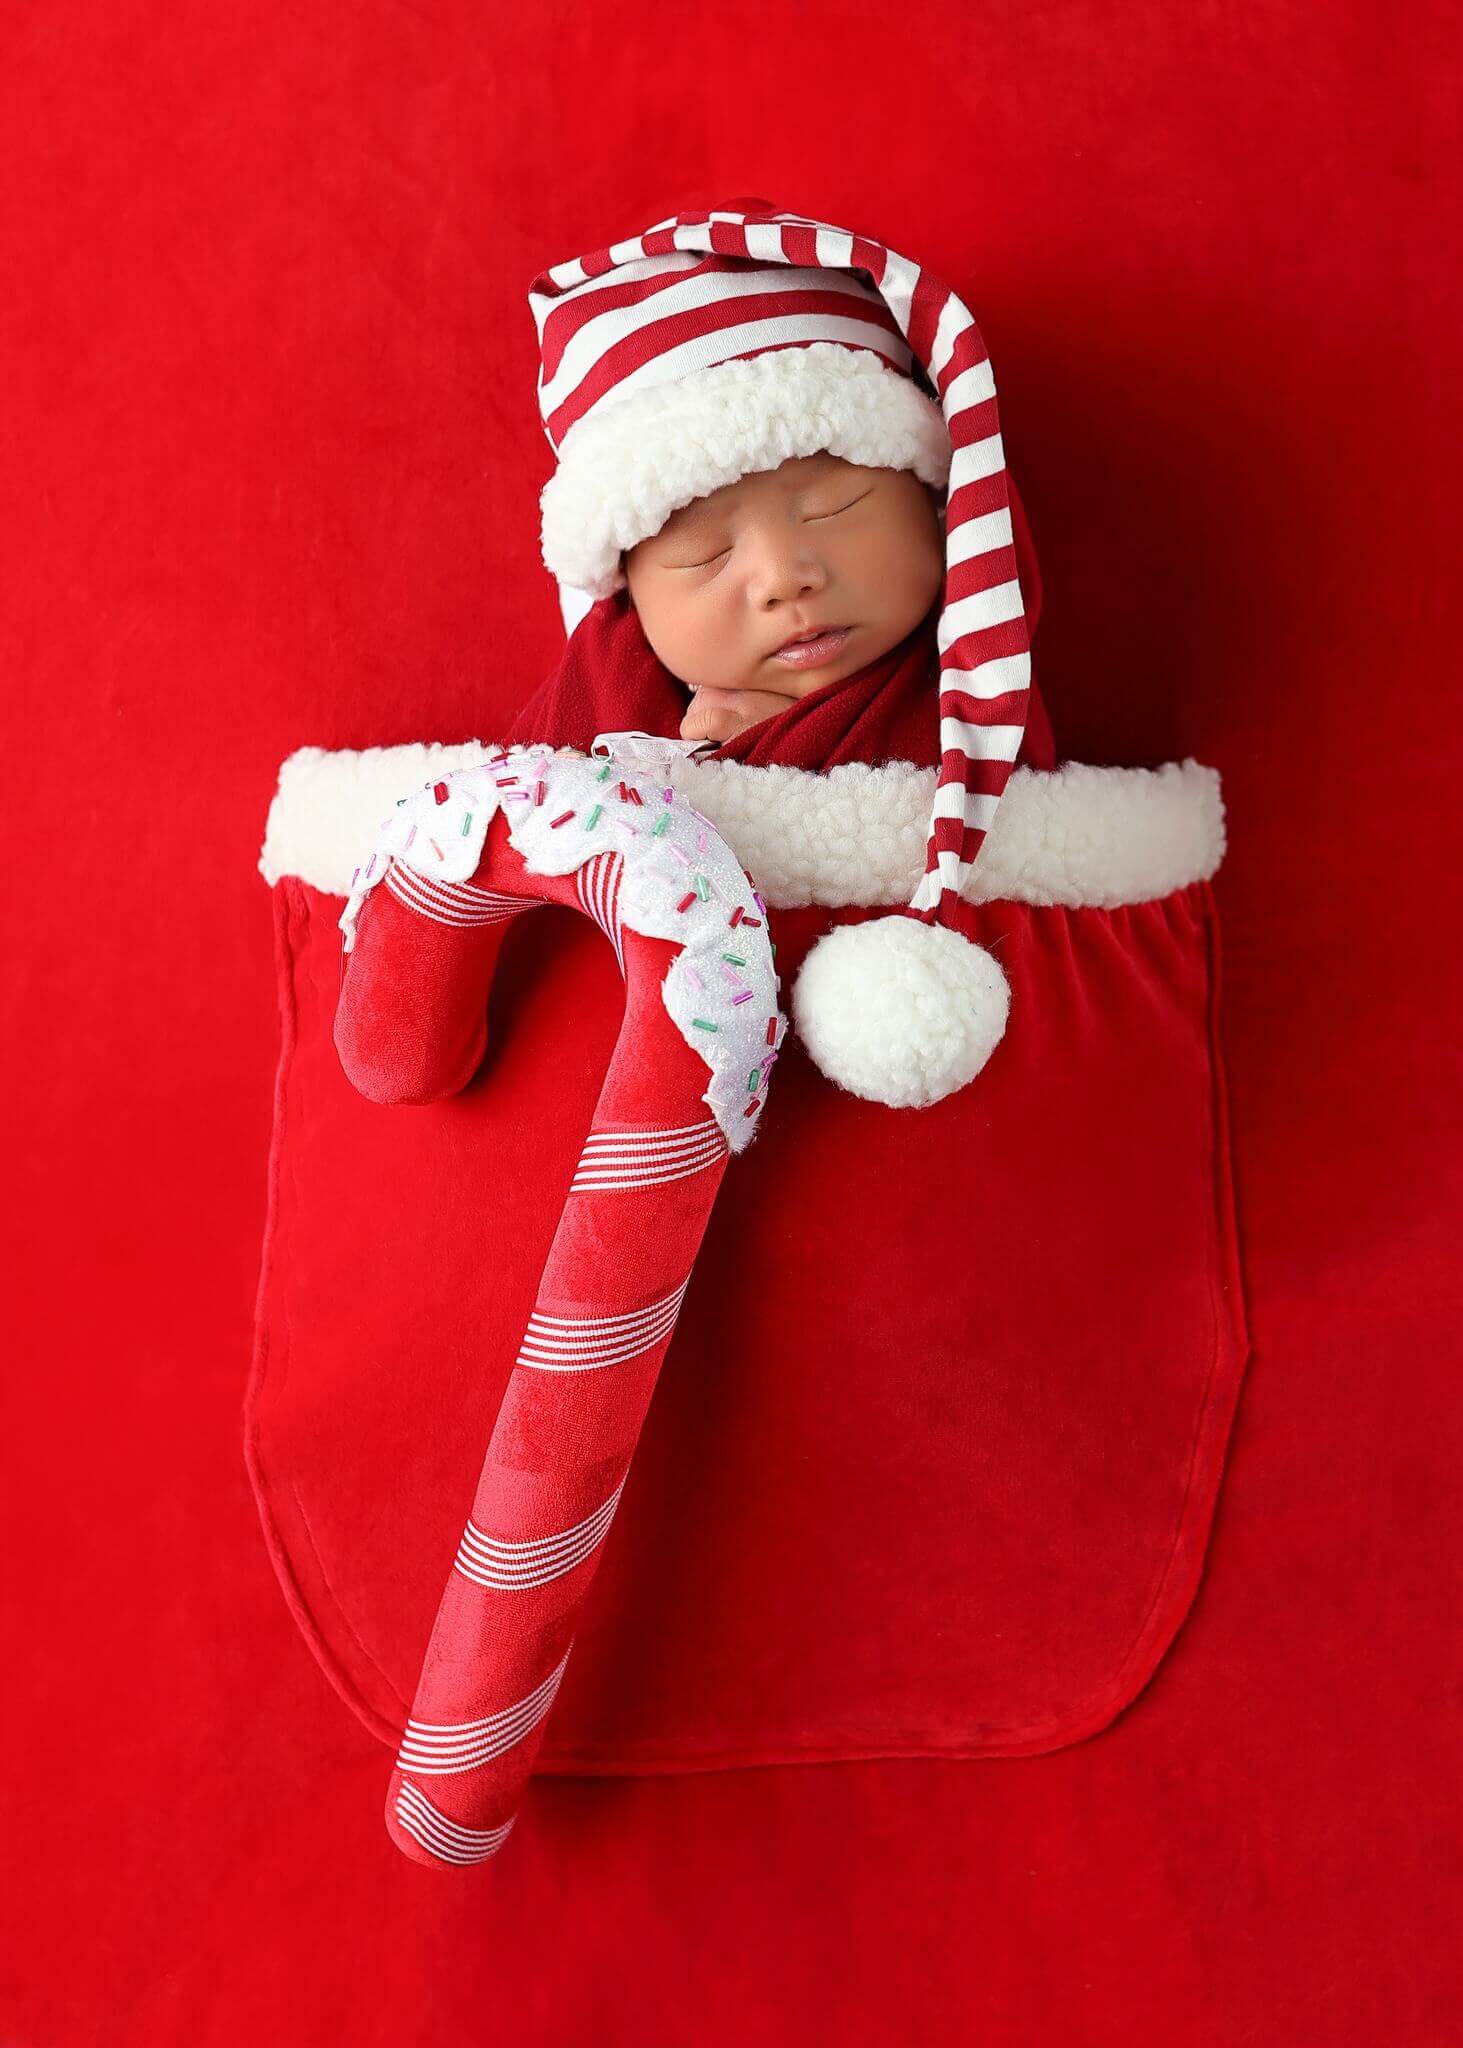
(681, 882)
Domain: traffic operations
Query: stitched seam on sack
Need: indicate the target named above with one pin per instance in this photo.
(1171, 904)
(287, 1331)
(1227, 1188)
(272, 1271)
(259, 1378)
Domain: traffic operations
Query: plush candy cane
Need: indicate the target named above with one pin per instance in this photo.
(459, 860)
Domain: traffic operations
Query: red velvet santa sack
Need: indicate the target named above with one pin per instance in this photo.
(934, 1451)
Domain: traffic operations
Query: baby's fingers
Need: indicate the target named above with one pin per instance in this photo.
(721, 714)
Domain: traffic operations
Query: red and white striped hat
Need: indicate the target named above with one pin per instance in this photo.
(720, 343)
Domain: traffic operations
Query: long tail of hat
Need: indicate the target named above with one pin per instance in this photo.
(984, 639)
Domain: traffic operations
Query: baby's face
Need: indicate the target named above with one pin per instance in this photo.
(817, 544)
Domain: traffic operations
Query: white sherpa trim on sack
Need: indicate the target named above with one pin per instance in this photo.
(627, 466)
(1075, 835)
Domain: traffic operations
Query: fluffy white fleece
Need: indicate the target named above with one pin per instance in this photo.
(627, 466)
(900, 1012)
(1077, 835)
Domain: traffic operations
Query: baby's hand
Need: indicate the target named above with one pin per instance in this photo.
(719, 715)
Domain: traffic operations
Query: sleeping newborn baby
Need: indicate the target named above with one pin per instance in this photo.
(783, 581)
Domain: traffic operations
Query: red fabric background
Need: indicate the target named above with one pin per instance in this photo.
(271, 465)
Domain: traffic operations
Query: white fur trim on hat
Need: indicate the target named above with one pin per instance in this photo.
(899, 1011)
(628, 465)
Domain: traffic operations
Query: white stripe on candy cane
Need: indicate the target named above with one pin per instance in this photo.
(442, 1749)
(641, 1159)
(597, 885)
(454, 903)
(446, 1839)
(577, 1343)
(492, 1561)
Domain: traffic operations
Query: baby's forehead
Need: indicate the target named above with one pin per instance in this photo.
(798, 473)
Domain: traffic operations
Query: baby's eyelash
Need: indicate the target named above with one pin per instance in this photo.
(843, 508)
(813, 517)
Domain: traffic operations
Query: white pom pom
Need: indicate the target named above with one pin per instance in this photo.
(900, 1011)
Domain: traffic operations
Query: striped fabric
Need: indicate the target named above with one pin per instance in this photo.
(572, 1413)
(598, 887)
(643, 1159)
(447, 1749)
(454, 903)
(701, 288)
(443, 1839)
(491, 1561)
(582, 1343)
(615, 1278)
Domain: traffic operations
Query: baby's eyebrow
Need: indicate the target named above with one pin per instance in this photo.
(689, 522)
(696, 514)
